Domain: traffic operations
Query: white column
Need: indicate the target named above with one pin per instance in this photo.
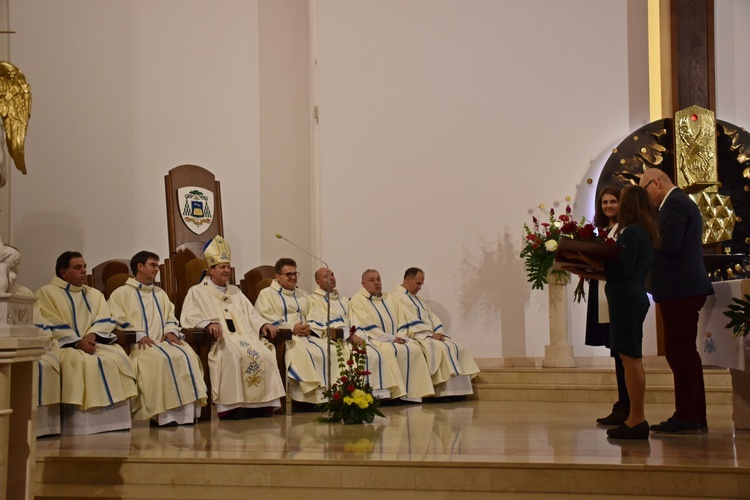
(559, 352)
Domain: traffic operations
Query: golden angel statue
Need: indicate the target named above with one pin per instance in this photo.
(15, 109)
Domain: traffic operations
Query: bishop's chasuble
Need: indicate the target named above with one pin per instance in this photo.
(380, 319)
(69, 313)
(169, 377)
(445, 358)
(242, 365)
(382, 377)
(306, 357)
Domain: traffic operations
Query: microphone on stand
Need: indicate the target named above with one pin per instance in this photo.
(328, 302)
(279, 236)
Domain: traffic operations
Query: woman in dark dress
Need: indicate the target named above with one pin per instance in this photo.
(597, 333)
(628, 303)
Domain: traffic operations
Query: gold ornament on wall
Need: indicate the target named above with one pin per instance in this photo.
(695, 150)
(15, 109)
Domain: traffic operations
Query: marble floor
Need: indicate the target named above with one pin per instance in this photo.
(482, 441)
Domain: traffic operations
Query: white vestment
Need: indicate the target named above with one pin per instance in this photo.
(170, 377)
(103, 380)
(306, 357)
(380, 319)
(242, 365)
(383, 378)
(446, 359)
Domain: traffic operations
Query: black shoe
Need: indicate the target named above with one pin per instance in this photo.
(302, 407)
(674, 426)
(619, 415)
(639, 431)
(235, 414)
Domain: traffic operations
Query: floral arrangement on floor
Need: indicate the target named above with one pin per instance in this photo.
(350, 398)
(739, 315)
(541, 244)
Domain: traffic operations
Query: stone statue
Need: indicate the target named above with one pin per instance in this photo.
(10, 258)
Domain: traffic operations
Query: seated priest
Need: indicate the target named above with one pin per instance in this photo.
(383, 377)
(452, 367)
(245, 379)
(306, 356)
(171, 390)
(97, 376)
(377, 316)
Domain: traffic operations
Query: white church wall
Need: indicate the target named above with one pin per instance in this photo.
(444, 124)
(732, 40)
(123, 92)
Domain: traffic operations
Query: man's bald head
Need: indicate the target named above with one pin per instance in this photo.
(657, 184)
(325, 279)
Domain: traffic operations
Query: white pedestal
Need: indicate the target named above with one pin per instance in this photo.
(20, 346)
(559, 352)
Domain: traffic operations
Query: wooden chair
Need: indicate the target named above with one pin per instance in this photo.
(255, 280)
(106, 277)
(106, 270)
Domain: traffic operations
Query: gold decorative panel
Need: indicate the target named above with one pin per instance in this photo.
(718, 216)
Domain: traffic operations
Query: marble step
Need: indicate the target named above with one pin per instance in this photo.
(587, 385)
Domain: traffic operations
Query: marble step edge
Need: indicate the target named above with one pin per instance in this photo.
(585, 387)
(651, 480)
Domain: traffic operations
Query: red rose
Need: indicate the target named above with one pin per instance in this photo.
(344, 379)
(363, 372)
(569, 228)
(350, 388)
(552, 212)
(545, 224)
(564, 218)
(349, 362)
(568, 210)
(352, 330)
(337, 396)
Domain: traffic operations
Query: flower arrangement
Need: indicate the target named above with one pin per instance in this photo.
(739, 316)
(541, 244)
(350, 398)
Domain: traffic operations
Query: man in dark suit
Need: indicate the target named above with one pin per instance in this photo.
(680, 285)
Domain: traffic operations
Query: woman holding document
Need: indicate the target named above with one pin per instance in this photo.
(628, 303)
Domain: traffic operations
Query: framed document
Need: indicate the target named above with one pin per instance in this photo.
(596, 250)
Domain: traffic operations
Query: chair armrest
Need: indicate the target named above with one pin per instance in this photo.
(125, 337)
(196, 335)
(285, 334)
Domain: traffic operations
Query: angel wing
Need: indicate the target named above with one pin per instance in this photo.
(15, 109)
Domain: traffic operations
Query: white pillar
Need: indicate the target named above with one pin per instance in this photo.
(559, 352)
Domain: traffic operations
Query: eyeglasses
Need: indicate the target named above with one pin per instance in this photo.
(291, 276)
(648, 184)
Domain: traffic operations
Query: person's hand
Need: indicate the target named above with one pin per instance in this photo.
(438, 336)
(301, 330)
(215, 330)
(172, 339)
(87, 343)
(269, 331)
(356, 339)
(145, 342)
(399, 340)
